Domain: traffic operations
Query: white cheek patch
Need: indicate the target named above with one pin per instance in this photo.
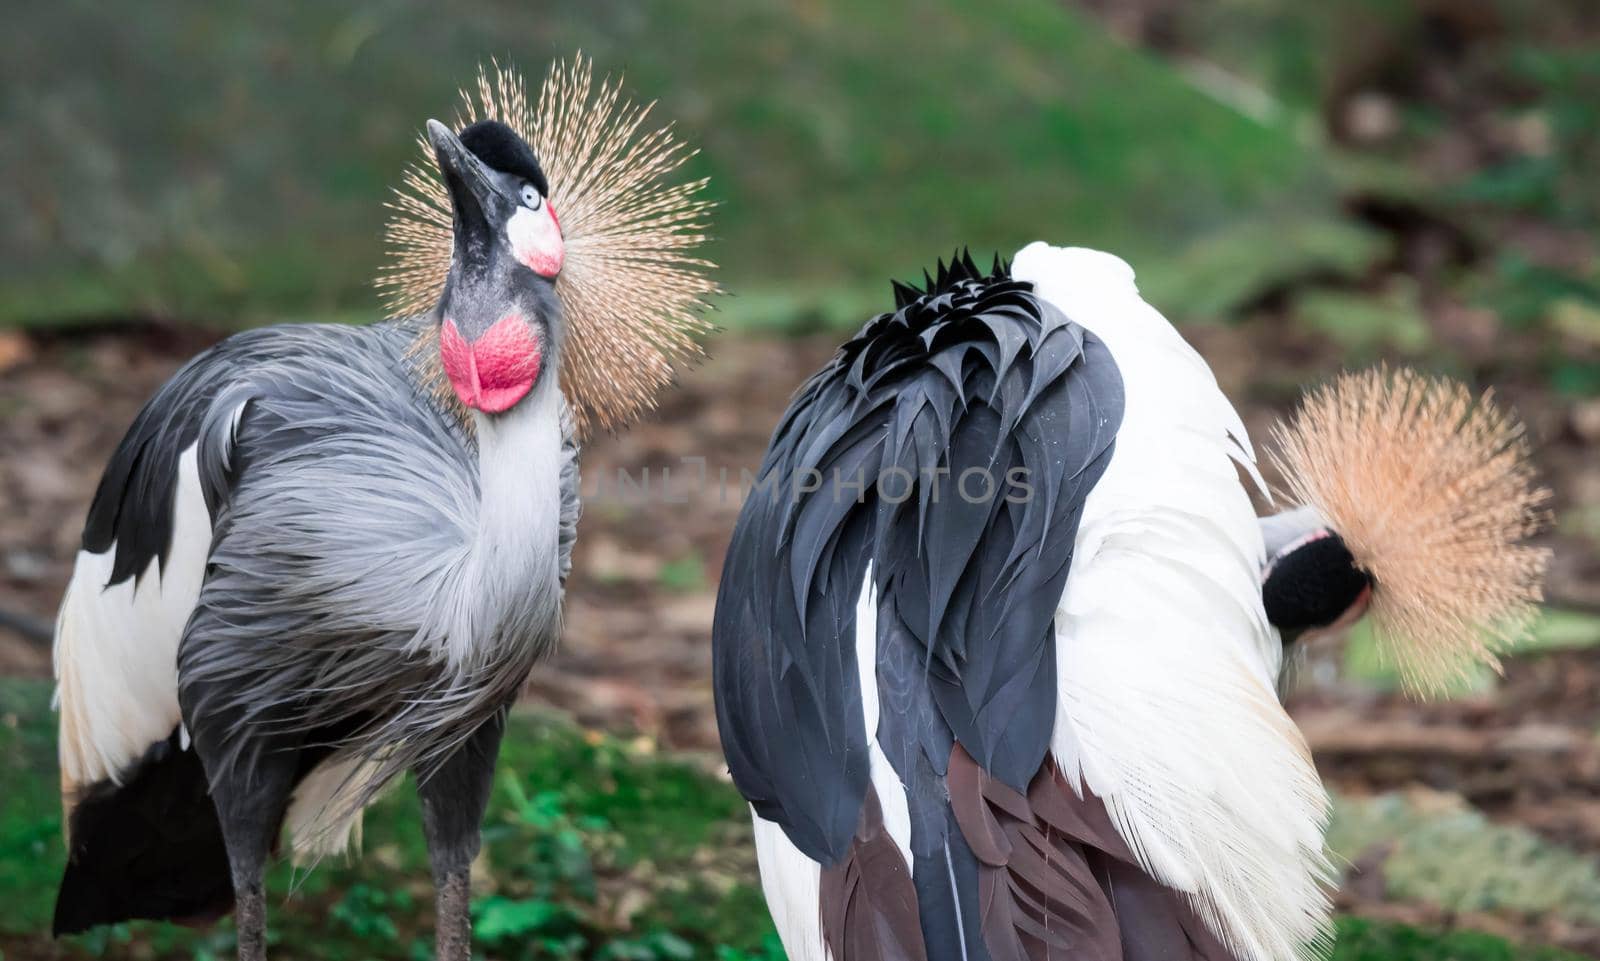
(535, 238)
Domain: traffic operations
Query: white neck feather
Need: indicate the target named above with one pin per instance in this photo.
(511, 570)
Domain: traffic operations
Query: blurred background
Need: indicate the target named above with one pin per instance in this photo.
(1302, 187)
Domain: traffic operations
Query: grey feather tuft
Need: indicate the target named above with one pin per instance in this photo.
(371, 592)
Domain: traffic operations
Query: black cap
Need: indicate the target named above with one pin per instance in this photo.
(499, 147)
(1313, 585)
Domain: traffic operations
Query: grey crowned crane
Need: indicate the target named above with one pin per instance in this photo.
(998, 634)
(324, 556)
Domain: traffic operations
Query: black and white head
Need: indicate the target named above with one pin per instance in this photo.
(1311, 582)
(1418, 501)
(499, 317)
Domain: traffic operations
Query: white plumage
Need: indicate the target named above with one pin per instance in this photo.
(1165, 658)
(1166, 663)
(790, 880)
(116, 648)
(116, 661)
(324, 815)
(791, 883)
(886, 783)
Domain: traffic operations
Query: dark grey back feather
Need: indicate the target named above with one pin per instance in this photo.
(974, 372)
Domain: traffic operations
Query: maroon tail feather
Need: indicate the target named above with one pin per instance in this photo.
(1056, 880)
(869, 904)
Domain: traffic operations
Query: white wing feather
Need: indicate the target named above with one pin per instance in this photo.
(116, 648)
(1166, 661)
(116, 657)
(792, 885)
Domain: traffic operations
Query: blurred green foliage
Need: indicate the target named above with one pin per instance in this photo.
(1363, 940)
(1561, 88)
(228, 162)
(1224, 272)
(683, 575)
(1453, 856)
(1469, 131)
(1368, 325)
(592, 850)
(1366, 662)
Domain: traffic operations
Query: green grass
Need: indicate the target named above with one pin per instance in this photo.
(237, 173)
(597, 848)
(1363, 940)
(1443, 852)
(594, 848)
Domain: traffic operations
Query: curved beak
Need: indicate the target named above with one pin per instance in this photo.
(471, 193)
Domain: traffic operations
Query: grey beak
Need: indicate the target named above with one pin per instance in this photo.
(471, 190)
(454, 157)
(1281, 530)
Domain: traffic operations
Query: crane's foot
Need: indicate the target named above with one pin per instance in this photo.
(250, 916)
(453, 931)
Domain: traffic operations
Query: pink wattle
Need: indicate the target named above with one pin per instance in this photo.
(495, 371)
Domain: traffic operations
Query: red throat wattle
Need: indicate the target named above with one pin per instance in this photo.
(494, 371)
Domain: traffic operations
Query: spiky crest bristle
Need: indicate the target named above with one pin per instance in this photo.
(1433, 492)
(632, 289)
(960, 269)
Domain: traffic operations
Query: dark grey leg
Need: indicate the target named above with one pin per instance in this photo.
(453, 801)
(250, 918)
(251, 806)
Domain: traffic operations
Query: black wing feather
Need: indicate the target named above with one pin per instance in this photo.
(971, 372)
(134, 503)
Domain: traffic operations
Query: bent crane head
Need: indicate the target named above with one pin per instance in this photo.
(1311, 582)
(499, 317)
(1419, 502)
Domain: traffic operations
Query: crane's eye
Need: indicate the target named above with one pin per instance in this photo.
(531, 198)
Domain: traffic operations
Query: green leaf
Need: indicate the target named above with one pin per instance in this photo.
(683, 575)
(499, 918)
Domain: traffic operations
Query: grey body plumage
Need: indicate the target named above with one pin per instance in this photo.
(376, 523)
(323, 556)
(973, 376)
(344, 594)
